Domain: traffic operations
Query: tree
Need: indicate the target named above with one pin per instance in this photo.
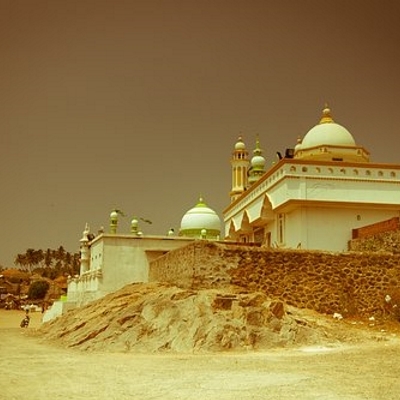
(49, 263)
(38, 290)
(48, 258)
(76, 263)
(20, 260)
(60, 254)
(33, 258)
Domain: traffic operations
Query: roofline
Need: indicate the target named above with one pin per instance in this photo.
(284, 161)
(335, 146)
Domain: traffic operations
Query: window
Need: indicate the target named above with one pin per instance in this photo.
(281, 228)
(259, 235)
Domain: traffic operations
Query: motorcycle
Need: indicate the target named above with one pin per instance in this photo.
(25, 322)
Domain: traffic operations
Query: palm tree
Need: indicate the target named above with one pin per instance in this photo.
(60, 253)
(30, 256)
(20, 260)
(76, 263)
(48, 258)
(39, 257)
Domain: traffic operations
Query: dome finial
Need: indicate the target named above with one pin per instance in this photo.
(257, 150)
(326, 115)
(257, 163)
(201, 202)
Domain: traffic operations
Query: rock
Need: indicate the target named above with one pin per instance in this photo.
(157, 317)
(277, 308)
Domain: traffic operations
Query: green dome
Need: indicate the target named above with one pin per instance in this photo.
(199, 218)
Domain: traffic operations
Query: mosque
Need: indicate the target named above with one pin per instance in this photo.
(315, 197)
(111, 260)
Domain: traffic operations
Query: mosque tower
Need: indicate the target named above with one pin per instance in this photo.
(257, 164)
(240, 165)
(113, 222)
(85, 250)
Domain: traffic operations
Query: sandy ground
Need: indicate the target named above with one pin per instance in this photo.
(33, 369)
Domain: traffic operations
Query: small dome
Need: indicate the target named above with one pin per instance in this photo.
(198, 218)
(114, 214)
(240, 144)
(134, 222)
(298, 145)
(328, 133)
(258, 162)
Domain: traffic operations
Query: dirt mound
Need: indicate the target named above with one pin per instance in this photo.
(160, 317)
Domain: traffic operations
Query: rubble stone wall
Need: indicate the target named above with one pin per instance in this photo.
(352, 284)
(387, 241)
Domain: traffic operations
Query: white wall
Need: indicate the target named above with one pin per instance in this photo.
(117, 260)
(328, 228)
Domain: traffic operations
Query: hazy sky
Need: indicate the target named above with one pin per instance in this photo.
(137, 104)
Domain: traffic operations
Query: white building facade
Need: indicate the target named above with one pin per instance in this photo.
(314, 196)
(109, 261)
(115, 261)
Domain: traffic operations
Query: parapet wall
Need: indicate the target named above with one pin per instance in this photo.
(351, 283)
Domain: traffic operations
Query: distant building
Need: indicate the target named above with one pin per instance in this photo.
(314, 195)
(112, 260)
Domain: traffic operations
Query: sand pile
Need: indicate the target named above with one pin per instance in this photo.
(159, 317)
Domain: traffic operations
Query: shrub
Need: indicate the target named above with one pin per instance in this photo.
(38, 289)
(392, 303)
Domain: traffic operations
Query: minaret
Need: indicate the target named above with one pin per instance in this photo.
(114, 221)
(85, 250)
(134, 226)
(239, 165)
(257, 164)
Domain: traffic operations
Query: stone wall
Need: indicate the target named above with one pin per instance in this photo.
(352, 284)
(386, 241)
(391, 224)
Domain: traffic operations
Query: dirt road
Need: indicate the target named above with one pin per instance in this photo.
(31, 370)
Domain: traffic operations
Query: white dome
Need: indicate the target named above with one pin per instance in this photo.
(240, 144)
(258, 162)
(329, 133)
(200, 217)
